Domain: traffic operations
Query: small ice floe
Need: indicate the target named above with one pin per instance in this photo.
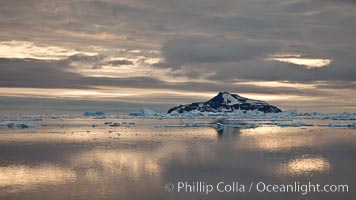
(293, 124)
(339, 125)
(190, 124)
(174, 126)
(116, 124)
(97, 114)
(17, 124)
(99, 117)
(196, 124)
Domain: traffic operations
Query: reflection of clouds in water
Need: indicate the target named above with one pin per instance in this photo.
(305, 165)
(134, 164)
(116, 162)
(21, 177)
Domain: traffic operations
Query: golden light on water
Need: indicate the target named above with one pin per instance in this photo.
(116, 162)
(306, 165)
(273, 139)
(22, 177)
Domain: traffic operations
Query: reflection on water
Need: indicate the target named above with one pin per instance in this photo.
(21, 177)
(81, 162)
(117, 162)
(274, 139)
(228, 132)
(306, 165)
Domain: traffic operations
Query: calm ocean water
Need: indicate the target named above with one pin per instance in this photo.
(70, 159)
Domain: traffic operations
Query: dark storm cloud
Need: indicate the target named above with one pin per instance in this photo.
(232, 59)
(86, 61)
(58, 74)
(31, 73)
(37, 74)
(267, 70)
(195, 50)
(95, 61)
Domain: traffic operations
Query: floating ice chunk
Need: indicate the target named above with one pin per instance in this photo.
(94, 113)
(144, 112)
(173, 126)
(17, 124)
(136, 114)
(148, 112)
(100, 117)
(190, 124)
(336, 125)
(289, 113)
(115, 124)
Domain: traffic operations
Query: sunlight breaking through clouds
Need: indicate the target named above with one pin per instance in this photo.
(309, 63)
(30, 50)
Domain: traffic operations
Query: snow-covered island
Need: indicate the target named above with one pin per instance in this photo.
(226, 102)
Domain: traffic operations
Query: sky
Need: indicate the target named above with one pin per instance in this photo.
(118, 55)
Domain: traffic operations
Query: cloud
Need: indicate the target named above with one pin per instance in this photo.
(58, 75)
(198, 45)
(38, 74)
(197, 50)
(24, 49)
(120, 62)
(267, 70)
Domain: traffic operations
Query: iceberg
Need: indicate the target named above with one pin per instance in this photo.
(144, 112)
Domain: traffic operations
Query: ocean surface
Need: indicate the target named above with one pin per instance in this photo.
(71, 159)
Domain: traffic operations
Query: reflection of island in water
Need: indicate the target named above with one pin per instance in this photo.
(227, 132)
(91, 165)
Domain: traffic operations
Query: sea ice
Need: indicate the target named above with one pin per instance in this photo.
(294, 124)
(336, 125)
(18, 124)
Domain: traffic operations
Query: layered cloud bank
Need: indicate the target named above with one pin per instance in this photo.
(292, 53)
